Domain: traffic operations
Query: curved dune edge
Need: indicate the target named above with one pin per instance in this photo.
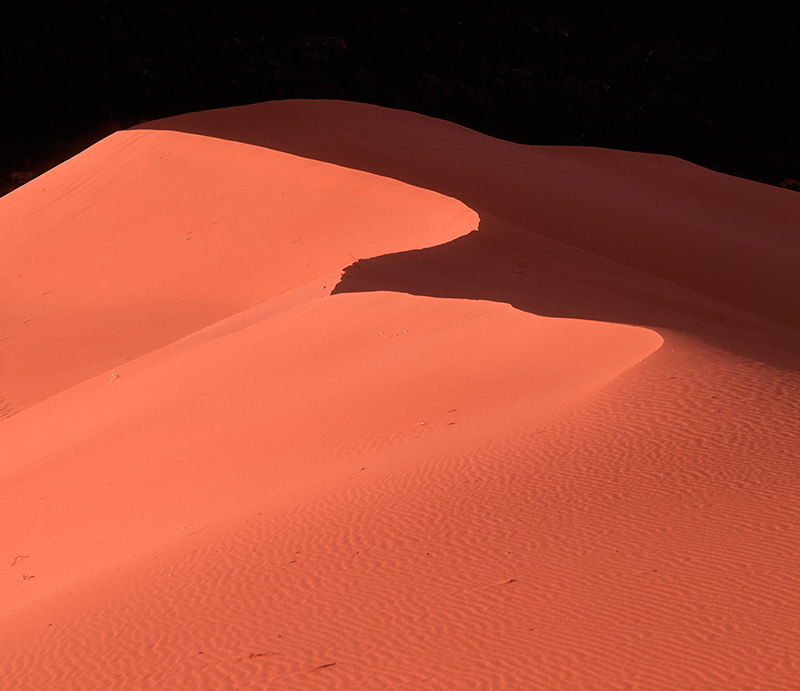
(459, 463)
(212, 427)
(148, 236)
(729, 239)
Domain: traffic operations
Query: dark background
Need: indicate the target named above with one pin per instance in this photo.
(715, 88)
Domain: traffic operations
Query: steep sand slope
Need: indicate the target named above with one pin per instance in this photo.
(722, 236)
(556, 452)
(148, 236)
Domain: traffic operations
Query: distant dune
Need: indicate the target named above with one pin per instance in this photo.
(316, 394)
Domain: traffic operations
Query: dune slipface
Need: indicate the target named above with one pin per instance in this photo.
(323, 395)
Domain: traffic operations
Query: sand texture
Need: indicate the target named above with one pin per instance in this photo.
(320, 395)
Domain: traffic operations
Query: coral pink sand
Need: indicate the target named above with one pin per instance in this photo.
(323, 395)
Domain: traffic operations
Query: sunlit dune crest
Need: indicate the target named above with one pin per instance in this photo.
(315, 394)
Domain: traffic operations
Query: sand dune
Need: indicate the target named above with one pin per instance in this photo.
(323, 395)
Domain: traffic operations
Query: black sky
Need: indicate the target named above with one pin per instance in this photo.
(715, 88)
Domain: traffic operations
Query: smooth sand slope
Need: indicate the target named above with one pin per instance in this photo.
(323, 395)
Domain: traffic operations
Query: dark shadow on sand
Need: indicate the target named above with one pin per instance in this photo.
(501, 263)
(548, 268)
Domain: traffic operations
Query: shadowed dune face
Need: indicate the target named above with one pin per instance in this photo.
(504, 263)
(729, 239)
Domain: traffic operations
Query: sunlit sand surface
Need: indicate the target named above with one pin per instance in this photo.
(323, 395)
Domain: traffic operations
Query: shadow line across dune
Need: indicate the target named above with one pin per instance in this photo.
(565, 232)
